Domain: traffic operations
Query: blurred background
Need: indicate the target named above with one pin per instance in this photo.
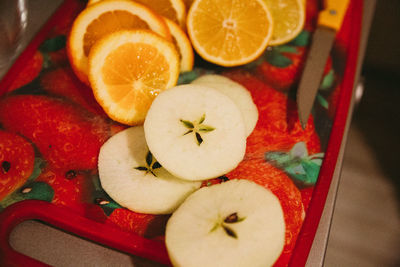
(366, 223)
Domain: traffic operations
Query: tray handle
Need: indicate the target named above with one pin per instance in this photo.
(75, 224)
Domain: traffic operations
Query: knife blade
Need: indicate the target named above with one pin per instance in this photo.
(329, 22)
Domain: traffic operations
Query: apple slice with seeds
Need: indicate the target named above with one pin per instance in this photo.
(135, 179)
(236, 223)
(195, 132)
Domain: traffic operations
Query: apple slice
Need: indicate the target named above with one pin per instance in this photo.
(133, 177)
(239, 94)
(195, 132)
(236, 223)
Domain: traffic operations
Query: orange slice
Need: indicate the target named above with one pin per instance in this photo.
(103, 18)
(229, 33)
(128, 69)
(175, 10)
(183, 45)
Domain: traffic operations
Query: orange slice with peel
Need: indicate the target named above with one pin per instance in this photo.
(229, 32)
(175, 10)
(128, 69)
(183, 45)
(103, 18)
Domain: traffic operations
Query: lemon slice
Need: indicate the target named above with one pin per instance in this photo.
(289, 17)
(128, 69)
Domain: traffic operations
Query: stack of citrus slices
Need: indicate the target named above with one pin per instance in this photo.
(130, 51)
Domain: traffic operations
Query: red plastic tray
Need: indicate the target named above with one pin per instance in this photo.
(345, 56)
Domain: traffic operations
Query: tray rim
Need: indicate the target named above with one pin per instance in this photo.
(317, 203)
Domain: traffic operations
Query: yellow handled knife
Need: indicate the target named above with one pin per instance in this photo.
(329, 22)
